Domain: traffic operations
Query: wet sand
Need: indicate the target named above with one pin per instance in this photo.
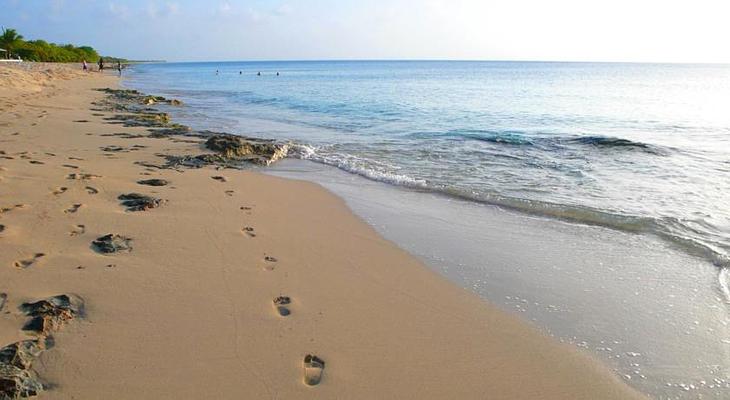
(226, 287)
(650, 311)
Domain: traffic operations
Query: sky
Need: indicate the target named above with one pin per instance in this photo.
(545, 30)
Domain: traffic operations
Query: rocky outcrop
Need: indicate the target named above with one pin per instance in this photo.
(139, 202)
(135, 96)
(17, 378)
(153, 182)
(258, 151)
(17, 382)
(112, 243)
(150, 100)
(50, 314)
(135, 111)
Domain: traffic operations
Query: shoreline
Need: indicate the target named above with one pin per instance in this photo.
(188, 311)
(648, 311)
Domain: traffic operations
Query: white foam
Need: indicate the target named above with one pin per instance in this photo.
(356, 165)
(722, 278)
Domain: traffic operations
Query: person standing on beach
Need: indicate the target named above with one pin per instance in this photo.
(119, 67)
(86, 67)
(101, 64)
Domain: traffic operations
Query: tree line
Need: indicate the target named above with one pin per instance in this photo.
(39, 50)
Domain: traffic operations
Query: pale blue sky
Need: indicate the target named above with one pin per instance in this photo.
(579, 30)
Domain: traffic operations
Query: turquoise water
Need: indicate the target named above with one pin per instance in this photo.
(635, 147)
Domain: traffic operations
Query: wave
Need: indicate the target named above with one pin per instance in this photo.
(500, 137)
(672, 230)
(516, 138)
(356, 166)
(609, 142)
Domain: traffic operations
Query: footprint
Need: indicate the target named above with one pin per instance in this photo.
(70, 166)
(36, 162)
(11, 208)
(2, 228)
(74, 208)
(76, 158)
(281, 303)
(230, 192)
(3, 299)
(313, 369)
(91, 190)
(78, 230)
(60, 190)
(246, 208)
(270, 263)
(249, 231)
(82, 177)
(220, 178)
(28, 262)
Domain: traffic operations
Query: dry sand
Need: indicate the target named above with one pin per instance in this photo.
(189, 312)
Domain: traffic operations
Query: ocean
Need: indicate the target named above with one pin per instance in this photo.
(635, 147)
(591, 198)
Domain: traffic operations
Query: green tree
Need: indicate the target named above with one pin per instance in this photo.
(40, 50)
(9, 40)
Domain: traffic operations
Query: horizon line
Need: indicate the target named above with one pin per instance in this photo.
(444, 60)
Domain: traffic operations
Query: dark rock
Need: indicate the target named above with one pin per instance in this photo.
(139, 202)
(149, 100)
(198, 161)
(259, 151)
(144, 119)
(169, 130)
(154, 182)
(50, 314)
(16, 383)
(112, 243)
(20, 354)
(112, 148)
(17, 379)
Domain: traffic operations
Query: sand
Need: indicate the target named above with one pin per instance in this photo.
(189, 311)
